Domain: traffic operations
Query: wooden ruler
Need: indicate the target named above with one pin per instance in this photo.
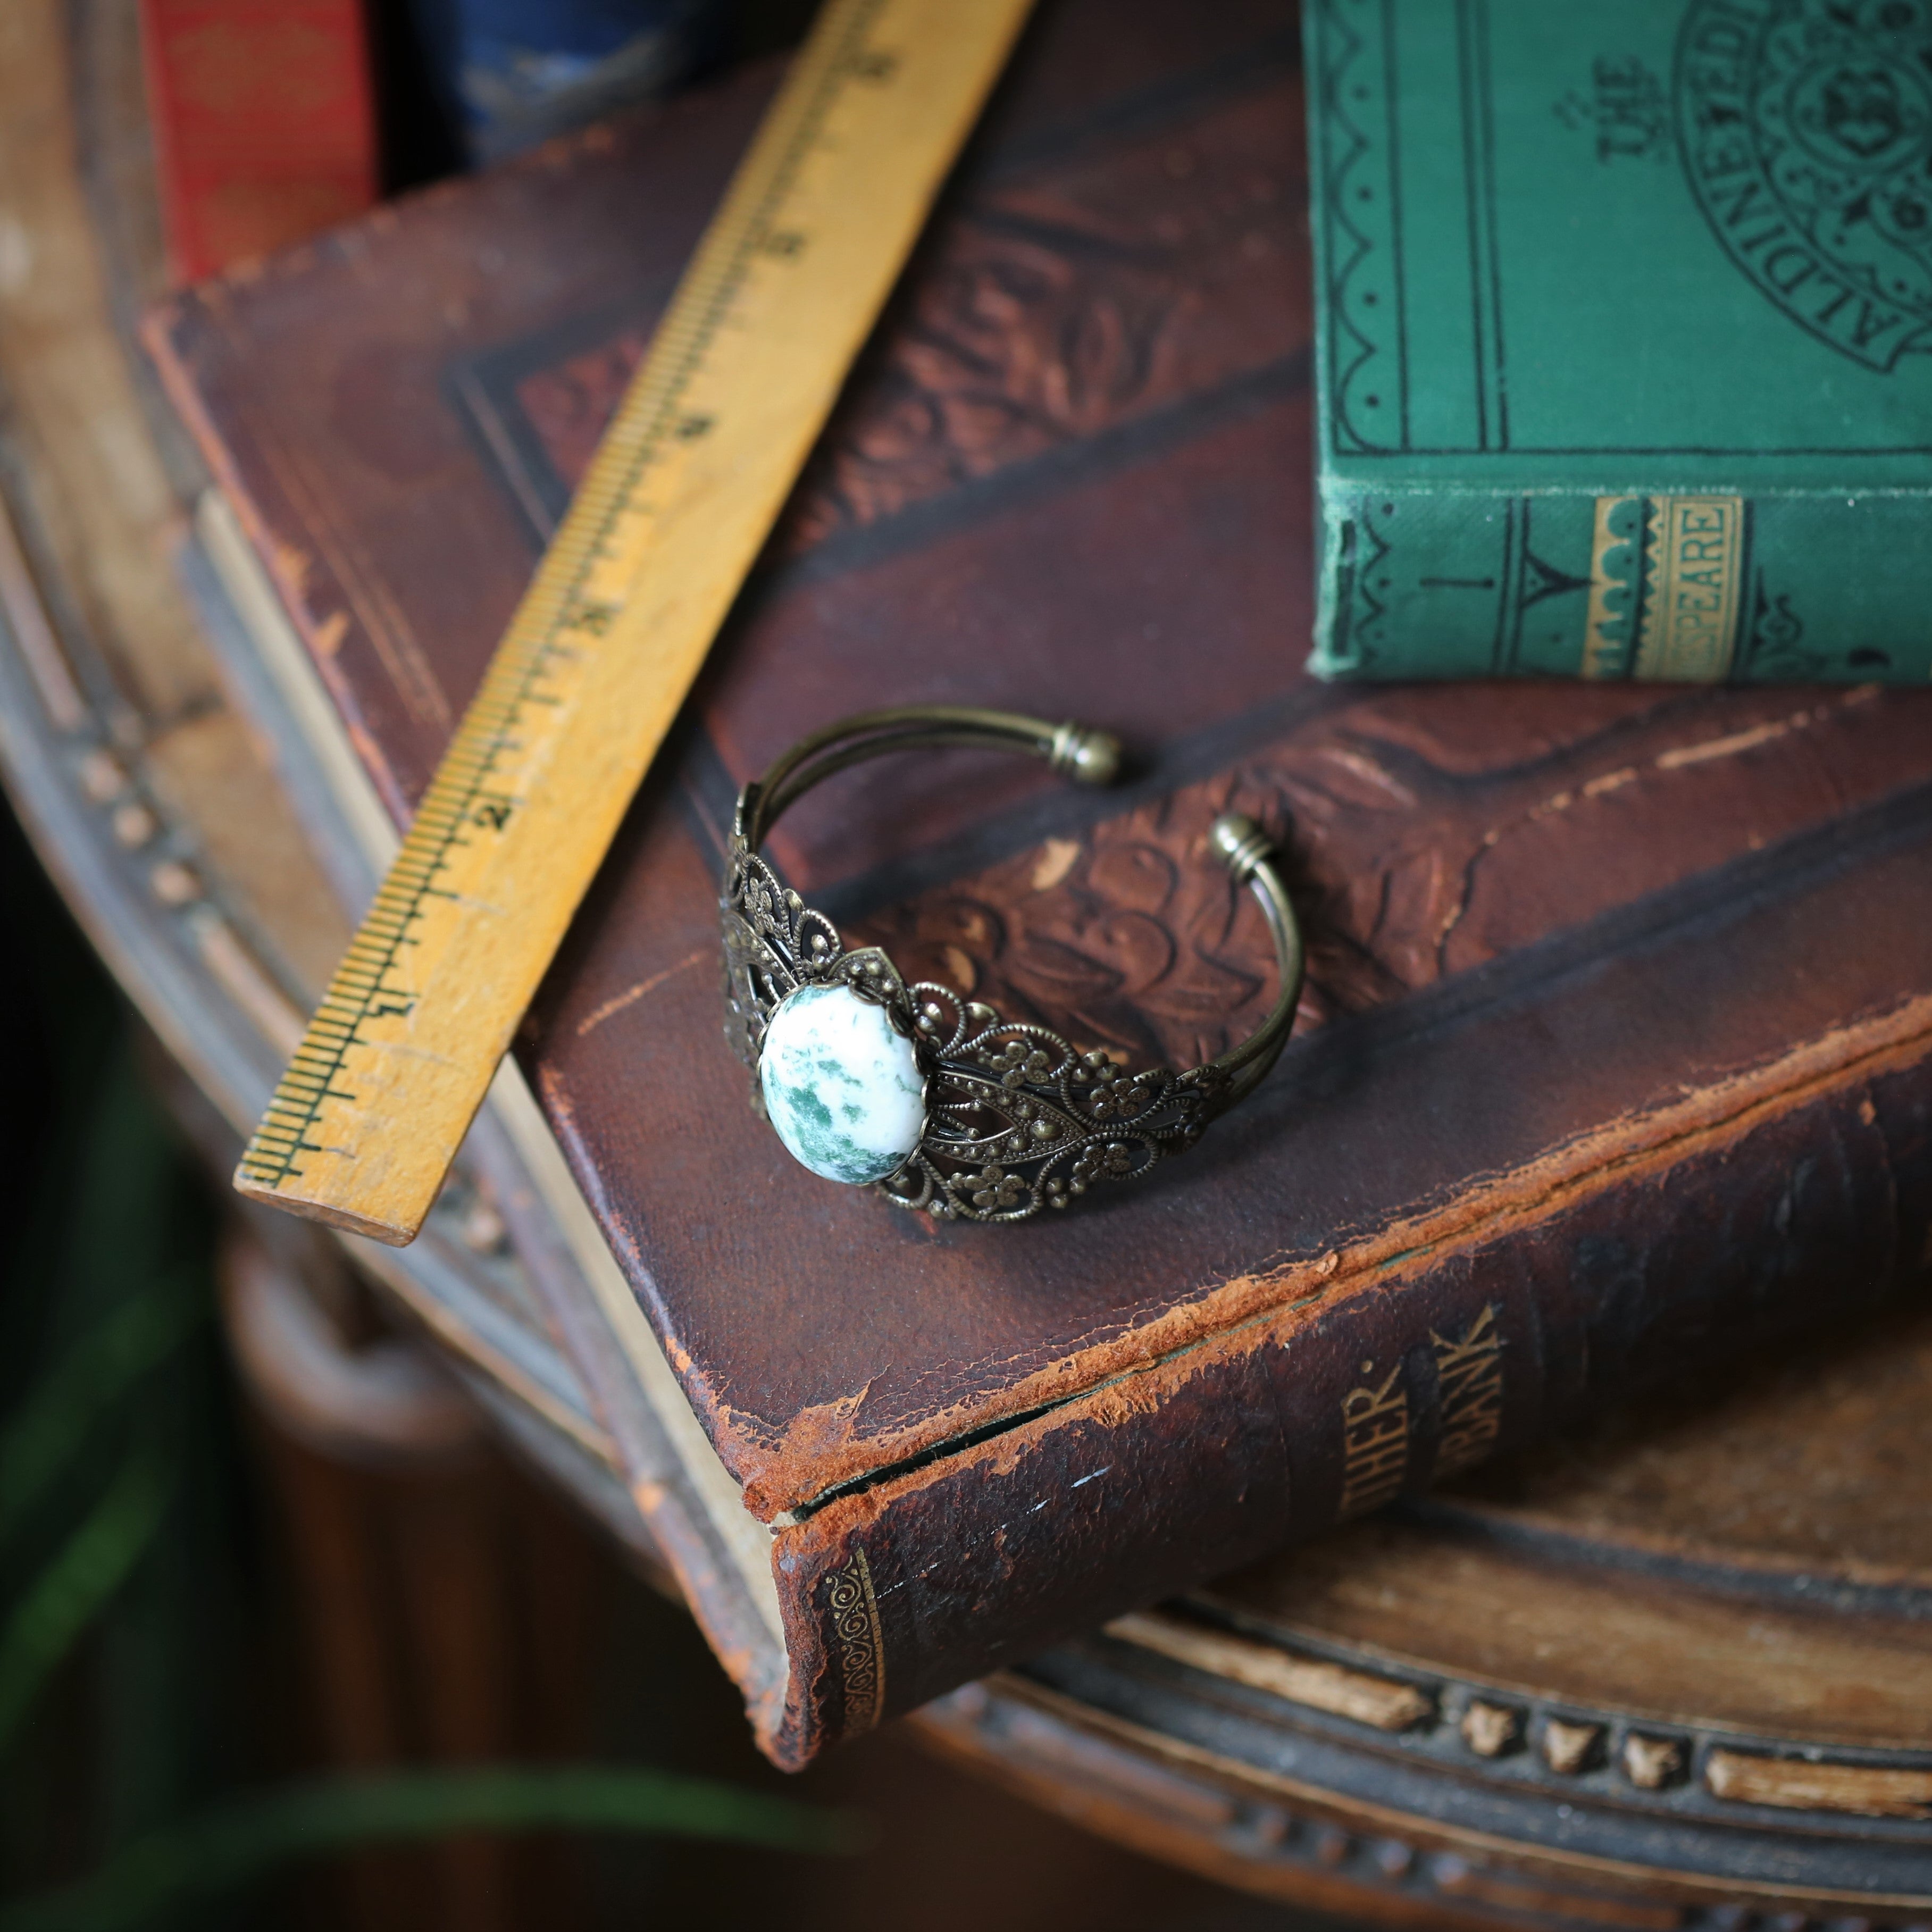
(783, 290)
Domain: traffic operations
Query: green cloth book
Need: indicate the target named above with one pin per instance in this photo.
(1624, 312)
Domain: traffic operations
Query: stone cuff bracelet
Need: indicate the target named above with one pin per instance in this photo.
(933, 1098)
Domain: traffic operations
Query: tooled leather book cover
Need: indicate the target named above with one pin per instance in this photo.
(1616, 1045)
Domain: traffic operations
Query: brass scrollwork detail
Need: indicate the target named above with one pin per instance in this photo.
(1017, 1117)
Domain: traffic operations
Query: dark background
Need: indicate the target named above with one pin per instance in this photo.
(214, 1667)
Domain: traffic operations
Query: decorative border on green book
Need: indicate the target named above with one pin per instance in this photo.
(1738, 147)
(1360, 215)
(1364, 298)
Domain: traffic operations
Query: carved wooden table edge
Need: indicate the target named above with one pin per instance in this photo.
(137, 882)
(1220, 1814)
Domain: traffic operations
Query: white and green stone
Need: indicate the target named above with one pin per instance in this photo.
(841, 1087)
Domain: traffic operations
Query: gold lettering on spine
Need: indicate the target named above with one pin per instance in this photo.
(1605, 654)
(1694, 590)
(1375, 1443)
(1469, 1369)
(861, 1649)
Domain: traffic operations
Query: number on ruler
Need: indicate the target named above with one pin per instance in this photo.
(593, 620)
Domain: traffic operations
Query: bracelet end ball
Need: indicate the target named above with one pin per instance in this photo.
(1239, 844)
(1085, 755)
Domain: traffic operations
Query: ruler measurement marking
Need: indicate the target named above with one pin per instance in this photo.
(550, 658)
(687, 367)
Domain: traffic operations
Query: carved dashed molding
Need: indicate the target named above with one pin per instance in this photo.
(1487, 1729)
(1275, 1848)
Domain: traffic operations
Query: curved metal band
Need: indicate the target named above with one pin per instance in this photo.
(1092, 758)
(1088, 757)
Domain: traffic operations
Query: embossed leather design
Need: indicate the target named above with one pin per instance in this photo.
(1616, 1033)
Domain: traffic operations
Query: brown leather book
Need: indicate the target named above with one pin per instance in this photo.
(1616, 1048)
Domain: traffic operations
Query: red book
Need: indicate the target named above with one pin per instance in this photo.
(264, 124)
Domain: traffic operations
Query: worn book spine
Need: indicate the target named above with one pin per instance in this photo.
(1740, 1213)
(1686, 585)
(1393, 1375)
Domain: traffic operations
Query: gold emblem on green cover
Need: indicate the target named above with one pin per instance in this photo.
(1666, 587)
(1693, 588)
(1616, 563)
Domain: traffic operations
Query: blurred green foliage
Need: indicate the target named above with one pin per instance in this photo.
(127, 1566)
(132, 1600)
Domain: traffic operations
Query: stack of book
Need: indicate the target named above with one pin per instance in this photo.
(1615, 1053)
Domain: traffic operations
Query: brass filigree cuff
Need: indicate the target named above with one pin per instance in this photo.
(935, 1098)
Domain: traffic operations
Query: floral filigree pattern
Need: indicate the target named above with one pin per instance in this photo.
(1017, 1119)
